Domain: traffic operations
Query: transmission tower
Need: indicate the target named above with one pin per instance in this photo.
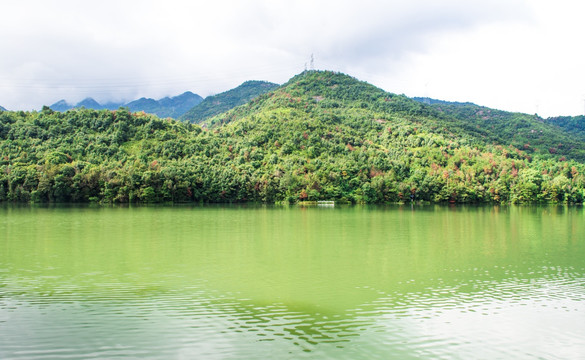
(312, 62)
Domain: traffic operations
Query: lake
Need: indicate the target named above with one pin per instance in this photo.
(217, 282)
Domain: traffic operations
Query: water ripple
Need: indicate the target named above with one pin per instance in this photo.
(345, 296)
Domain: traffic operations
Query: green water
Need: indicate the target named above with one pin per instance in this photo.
(221, 282)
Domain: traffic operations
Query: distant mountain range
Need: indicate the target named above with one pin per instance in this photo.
(88, 103)
(172, 107)
(220, 103)
(2, 109)
(187, 106)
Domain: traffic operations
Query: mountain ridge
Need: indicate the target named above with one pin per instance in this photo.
(165, 107)
(173, 107)
(222, 102)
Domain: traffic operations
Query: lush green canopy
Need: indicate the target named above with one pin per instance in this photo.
(321, 136)
(217, 104)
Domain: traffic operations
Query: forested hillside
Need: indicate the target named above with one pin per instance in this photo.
(321, 136)
(530, 133)
(217, 104)
(574, 125)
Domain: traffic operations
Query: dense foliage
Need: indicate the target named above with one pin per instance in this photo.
(217, 104)
(321, 136)
(572, 124)
(530, 133)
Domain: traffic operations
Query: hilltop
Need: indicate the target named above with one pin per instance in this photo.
(345, 97)
(320, 136)
(217, 104)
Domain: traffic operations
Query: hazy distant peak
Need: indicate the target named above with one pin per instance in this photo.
(187, 95)
(62, 102)
(166, 107)
(61, 105)
(89, 103)
(173, 107)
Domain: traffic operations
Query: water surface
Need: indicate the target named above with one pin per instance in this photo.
(288, 282)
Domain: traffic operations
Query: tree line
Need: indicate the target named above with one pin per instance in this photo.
(322, 136)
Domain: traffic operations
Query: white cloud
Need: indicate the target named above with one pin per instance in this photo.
(528, 66)
(506, 54)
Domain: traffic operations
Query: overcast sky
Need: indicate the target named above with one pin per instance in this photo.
(515, 55)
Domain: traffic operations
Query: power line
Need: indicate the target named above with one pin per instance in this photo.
(110, 84)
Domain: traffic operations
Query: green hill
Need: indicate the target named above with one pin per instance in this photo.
(534, 135)
(217, 104)
(320, 136)
(571, 124)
